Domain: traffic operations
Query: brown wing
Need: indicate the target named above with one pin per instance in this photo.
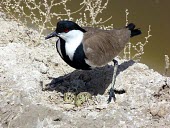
(102, 46)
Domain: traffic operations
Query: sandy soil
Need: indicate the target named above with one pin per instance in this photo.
(23, 104)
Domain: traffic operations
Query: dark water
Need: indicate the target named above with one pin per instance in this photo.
(143, 13)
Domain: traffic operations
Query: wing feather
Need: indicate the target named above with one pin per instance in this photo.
(102, 46)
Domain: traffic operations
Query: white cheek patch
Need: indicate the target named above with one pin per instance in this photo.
(73, 40)
(62, 35)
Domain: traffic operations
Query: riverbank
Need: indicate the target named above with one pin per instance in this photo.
(23, 67)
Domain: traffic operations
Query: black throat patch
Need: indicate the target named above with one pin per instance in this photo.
(79, 57)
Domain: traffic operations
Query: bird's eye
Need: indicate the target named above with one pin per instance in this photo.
(66, 30)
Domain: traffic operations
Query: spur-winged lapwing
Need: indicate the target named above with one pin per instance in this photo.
(86, 47)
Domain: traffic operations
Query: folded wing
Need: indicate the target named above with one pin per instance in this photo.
(102, 46)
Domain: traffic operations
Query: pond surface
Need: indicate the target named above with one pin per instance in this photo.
(143, 13)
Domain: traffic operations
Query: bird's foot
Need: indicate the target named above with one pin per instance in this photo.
(111, 95)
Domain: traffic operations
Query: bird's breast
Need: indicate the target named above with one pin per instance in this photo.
(77, 59)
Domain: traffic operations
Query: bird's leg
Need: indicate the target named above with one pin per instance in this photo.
(111, 91)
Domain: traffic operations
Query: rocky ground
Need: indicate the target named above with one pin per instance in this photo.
(24, 69)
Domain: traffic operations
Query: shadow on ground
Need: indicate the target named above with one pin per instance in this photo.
(94, 81)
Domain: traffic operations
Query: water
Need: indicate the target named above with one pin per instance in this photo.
(143, 13)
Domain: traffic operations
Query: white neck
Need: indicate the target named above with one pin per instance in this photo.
(73, 40)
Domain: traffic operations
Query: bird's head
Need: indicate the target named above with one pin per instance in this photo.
(66, 29)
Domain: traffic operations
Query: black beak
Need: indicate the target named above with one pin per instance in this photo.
(51, 35)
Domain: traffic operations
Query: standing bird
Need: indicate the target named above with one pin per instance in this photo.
(86, 47)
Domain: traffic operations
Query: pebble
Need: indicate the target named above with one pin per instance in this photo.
(43, 68)
(158, 109)
(154, 109)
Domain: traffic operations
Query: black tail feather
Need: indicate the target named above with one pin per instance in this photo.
(134, 32)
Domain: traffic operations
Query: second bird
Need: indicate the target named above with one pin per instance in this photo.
(86, 47)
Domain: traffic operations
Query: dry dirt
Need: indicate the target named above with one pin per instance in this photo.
(23, 104)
